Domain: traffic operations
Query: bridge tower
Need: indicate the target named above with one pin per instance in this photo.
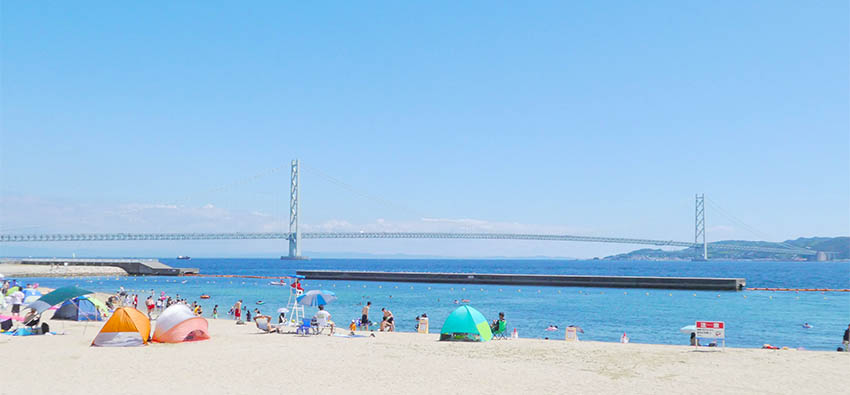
(699, 225)
(294, 211)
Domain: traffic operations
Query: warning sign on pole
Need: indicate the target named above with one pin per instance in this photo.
(571, 334)
(711, 330)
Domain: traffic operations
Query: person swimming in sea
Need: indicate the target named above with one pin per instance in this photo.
(552, 328)
(807, 326)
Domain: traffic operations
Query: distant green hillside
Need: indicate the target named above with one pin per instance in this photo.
(838, 246)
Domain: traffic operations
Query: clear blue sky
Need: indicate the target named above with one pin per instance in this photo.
(596, 118)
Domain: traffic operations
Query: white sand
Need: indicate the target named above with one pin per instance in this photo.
(239, 359)
(13, 270)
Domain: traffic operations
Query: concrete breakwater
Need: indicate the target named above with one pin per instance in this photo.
(692, 283)
(133, 267)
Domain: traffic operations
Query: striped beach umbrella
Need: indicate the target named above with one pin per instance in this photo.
(316, 298)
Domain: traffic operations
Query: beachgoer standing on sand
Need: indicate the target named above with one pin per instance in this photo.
(17, 299)
(364, 319)
(237, 310)
(215, 312)
(135, 301)
(149, 304)
(847, 338)
(387, 322)
(247, 314)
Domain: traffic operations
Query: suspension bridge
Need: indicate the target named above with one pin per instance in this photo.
(295, 237)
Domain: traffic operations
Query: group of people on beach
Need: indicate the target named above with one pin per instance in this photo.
(154, 304)
(387, 319)
(12, 293)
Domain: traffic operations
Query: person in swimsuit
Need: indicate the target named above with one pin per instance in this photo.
(387, 322)
(237, 310)
(846, 339)
(364, 319)
(149, 304)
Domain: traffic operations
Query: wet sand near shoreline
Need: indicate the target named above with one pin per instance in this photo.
(240, 359)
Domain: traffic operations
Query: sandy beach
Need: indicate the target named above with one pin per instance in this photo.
(240, 359)
(12, 270)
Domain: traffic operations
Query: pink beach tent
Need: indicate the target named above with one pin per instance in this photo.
(177, 324)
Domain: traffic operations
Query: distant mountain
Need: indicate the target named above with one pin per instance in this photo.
(838, 247)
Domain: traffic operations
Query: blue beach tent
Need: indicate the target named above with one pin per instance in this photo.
(78, 309)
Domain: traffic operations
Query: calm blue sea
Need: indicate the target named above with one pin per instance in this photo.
(646, 315)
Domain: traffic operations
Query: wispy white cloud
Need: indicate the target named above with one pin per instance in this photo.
(37, 215)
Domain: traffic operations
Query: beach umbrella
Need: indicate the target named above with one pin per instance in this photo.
(578, 328)
(316, 298)
(282, 310)
(58, 295)
(688, 329)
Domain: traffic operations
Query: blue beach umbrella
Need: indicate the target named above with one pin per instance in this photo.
(316, 298)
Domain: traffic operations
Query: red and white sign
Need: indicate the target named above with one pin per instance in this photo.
(711, 329)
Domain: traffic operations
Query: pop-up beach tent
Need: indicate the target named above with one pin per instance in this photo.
(177, 324)
(127, 327)
(78, 309)
(466, 324)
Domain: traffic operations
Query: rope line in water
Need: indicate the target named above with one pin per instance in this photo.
(801, 289)
(239, 276)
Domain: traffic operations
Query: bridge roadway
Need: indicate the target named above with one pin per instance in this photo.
(91, 237)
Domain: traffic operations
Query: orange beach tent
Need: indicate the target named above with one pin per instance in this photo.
(127, 327)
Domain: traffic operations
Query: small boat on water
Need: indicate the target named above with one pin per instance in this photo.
(279, 283)
(205, 296)
(184, 257)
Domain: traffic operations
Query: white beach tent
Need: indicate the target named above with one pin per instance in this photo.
(177, 324)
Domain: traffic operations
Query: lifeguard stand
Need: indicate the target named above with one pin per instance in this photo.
(296, 311)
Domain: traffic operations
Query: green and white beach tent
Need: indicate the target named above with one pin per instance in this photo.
(466, 324)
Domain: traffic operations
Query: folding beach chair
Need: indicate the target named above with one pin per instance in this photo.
(321, 324)
(264, 324)
(305, 329)
(502, 331)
